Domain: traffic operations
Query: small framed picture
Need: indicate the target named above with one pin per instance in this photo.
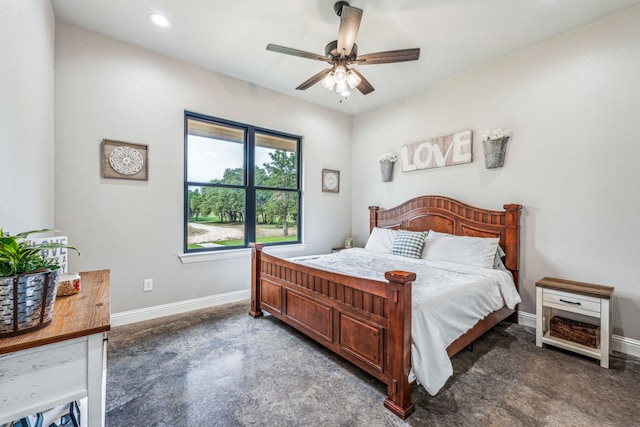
(124, 160)
(330, 181)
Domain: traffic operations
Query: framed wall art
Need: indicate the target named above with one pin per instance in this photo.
(330, 181)
(124, 160)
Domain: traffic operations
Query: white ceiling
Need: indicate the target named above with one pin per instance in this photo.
(230, 36)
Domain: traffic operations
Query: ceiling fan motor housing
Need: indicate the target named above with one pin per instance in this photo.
(338, 7)
(331, 51)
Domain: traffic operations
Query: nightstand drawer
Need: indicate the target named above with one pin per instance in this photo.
(571, 301)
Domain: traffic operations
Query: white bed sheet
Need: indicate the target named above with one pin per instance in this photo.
(448, 299)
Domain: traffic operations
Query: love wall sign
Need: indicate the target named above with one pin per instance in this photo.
(446, 150)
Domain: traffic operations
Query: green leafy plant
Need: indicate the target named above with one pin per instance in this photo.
(17, 255)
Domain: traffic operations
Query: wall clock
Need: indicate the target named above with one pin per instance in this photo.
(330, 181)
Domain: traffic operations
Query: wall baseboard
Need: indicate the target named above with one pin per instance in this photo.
(618, 343)
(155, 312)
(526, 319)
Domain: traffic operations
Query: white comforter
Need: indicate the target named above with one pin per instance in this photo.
(448, 299)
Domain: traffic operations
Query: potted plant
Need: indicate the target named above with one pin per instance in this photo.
(387, 160)
(28, 283)
(494, 143)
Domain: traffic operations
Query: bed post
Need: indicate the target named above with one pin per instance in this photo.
(373, 217)
(398, 398)
(256, 253)
(512, 247)
(512, 225)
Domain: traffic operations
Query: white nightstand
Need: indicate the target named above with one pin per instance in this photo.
(574, 297)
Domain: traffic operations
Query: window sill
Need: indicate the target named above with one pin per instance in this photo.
(237, 253)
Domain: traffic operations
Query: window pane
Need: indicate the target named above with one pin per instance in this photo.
(276, 216)
(234, 172)
(215, 153)
(216, 217)
(276, 161)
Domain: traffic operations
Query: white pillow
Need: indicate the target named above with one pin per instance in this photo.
(476, 251)
(381, 240)
(440, 234)
(497, 259)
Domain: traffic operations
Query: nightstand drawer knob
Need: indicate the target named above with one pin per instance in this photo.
(570, 302)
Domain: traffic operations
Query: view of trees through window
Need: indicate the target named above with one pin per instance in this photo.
(231, 200)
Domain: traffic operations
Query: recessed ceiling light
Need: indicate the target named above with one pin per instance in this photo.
(160, 20)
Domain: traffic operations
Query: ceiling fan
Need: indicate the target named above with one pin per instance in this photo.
(343, 52)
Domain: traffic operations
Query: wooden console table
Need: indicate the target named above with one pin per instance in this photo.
(64, 361)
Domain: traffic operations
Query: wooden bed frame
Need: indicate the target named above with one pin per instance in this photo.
(368, 322)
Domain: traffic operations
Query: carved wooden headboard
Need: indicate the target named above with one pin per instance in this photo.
(451, 216)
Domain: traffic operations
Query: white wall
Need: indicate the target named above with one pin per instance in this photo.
(108, 89)
(573, 161)
(27, 34)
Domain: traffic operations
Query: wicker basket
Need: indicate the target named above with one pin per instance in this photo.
(27, 301)
(575, 331)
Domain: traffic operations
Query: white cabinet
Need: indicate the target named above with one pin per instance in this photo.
(585, 299)
(43, 377)
(62, 362)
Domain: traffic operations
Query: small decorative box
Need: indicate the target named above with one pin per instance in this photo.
(68, 284)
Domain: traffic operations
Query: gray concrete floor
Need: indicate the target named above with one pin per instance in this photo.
(221, 367)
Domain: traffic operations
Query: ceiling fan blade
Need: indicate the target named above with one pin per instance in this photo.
(349, 25)
(296, 52)
(313, 80)
(389, 57)
(364, 87)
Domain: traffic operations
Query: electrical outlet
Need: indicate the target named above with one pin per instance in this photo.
(148, 285)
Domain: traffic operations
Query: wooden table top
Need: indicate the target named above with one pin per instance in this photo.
(588, 289)
(85, 313)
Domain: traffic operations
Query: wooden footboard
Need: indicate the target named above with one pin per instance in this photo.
(367, 322)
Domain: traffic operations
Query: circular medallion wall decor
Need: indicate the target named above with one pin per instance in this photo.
(126, 160)
(330, 181)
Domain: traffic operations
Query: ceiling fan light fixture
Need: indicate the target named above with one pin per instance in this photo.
(340, 75)
(341, 87)
(353, 80)
(328, 82)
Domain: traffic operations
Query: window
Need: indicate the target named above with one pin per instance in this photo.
(242, 185)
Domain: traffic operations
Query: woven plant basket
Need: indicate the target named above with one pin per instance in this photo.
(27, 301)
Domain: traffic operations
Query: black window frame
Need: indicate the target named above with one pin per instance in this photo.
(249, 181)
